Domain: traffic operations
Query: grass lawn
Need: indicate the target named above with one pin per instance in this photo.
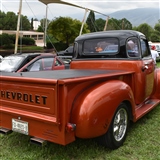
(30, 48)
(158, 64)
(142, 143)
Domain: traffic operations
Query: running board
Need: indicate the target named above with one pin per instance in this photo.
(5, 131)
(146, 107)
(38, 141)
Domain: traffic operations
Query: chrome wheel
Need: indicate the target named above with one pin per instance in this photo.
(117, 132)
(120, 124)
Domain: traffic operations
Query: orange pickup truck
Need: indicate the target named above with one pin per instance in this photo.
(98, 97)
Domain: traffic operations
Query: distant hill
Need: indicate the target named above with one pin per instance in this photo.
(139, 16)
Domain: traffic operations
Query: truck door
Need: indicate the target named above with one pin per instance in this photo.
(138, 50)
(147, 68)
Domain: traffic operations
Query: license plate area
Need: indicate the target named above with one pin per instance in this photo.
(20, 126)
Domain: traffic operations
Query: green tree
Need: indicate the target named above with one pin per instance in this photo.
(113, 24)
(65, 29)
(91, 22)
(100, 23)
(2, 17)
(8, 21)
(155, 35)
(32, 24)
(157, 27)
(25, 23)
(145, 29)
(5, 39)
(135, 28)
(125, 24)
(41, 27)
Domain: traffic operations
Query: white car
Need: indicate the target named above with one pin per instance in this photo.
(1, 58)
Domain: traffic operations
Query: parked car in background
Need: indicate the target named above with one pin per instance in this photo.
(67, 60)
(44, 62)
(66, 52)
(14, 62)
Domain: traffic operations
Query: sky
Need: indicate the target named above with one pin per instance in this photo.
(37, 9)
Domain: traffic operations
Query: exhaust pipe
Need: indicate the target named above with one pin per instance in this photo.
(5, 131)
(38, 141)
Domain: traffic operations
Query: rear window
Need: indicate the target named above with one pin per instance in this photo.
(107, 46)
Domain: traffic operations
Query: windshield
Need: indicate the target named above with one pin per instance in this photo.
(10, 63)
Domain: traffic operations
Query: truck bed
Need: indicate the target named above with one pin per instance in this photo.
(65, 74)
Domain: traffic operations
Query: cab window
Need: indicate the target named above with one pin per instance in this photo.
(132, 48)
(145, 48)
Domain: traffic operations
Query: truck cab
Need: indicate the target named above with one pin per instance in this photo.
(121, 50)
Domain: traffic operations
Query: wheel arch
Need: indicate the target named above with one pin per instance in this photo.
(94, 109)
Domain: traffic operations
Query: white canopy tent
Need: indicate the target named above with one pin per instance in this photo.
(46, 2)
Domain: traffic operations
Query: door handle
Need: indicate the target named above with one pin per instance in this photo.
(144, 68)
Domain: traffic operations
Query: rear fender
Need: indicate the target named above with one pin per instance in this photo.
(93, 109)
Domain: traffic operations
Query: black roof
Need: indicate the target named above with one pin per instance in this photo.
(111, 33)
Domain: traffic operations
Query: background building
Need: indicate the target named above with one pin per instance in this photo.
(37, 36)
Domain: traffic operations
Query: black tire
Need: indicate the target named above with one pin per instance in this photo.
(116, 134)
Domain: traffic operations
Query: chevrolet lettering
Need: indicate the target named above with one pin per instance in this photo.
(23, 97)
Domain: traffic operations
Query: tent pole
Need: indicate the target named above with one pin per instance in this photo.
(18, 26)
(83, 21)
(45, 30)
(105, 27)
